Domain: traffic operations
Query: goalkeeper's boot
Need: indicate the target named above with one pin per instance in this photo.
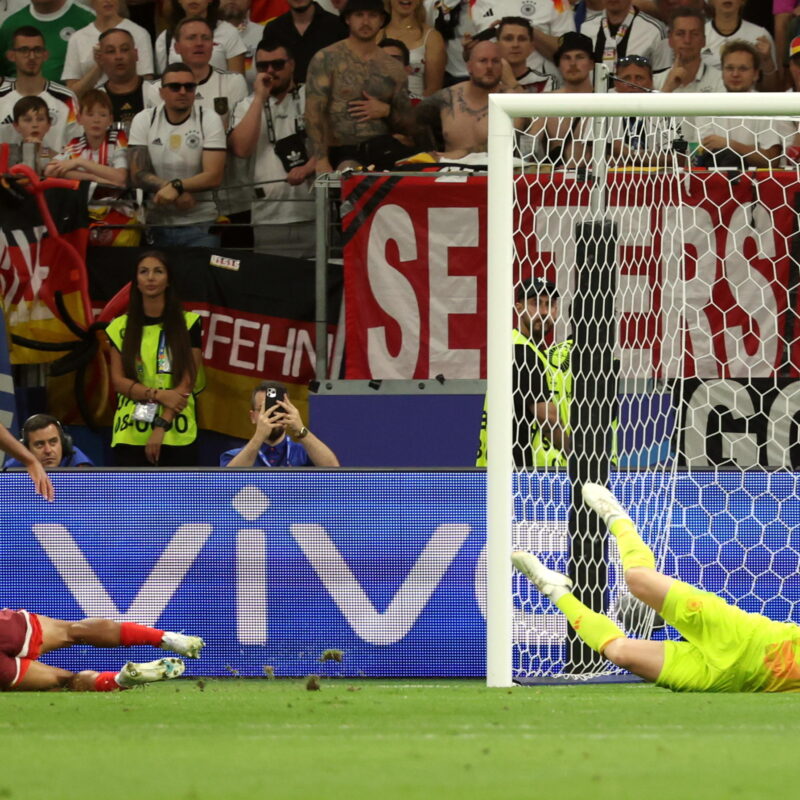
(602, 501)
(189, 646)
(544, 579)
(163, 669)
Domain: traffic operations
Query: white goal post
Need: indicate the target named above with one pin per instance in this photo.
(503, 109)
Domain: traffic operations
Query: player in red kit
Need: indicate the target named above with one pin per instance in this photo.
(25, 636)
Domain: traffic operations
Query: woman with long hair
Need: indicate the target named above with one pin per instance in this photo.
(229, 49)
(426, 48)
(155, 365)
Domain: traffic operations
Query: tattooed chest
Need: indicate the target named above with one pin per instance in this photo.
(351, 79)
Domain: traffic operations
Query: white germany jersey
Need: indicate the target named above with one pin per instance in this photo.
(554, 17)
(176, 151)
(61, 103)
(708, 79)
(643, 39)
(221, 92)
(747, 32)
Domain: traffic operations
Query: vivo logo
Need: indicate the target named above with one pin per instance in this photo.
(373, 626)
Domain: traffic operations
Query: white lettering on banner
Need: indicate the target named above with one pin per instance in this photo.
(746, 283)
(214, 322)
(157, 590)
(741, 448)
(371, 625)
(683, 300)
(451, 294)
(393, 293)
(241, 343)
(229, 339)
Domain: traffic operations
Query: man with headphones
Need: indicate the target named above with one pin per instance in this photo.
(51, 446)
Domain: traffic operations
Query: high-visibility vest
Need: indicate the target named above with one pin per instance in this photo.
(153, 368)
(555, 361)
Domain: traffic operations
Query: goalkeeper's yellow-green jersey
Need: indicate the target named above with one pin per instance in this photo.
(727, 649)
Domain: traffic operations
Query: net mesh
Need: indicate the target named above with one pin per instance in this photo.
(663, 232)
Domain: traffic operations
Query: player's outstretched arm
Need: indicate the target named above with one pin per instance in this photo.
(17, 450)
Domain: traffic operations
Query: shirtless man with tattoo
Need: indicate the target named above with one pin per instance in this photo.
(354, 91)
(463, 109)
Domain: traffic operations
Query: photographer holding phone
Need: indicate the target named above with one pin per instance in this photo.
(280, 438)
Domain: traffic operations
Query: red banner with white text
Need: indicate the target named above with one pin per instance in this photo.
(703, 254)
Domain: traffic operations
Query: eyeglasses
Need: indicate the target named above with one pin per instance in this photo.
(189, 86)
(276, 63)
(30, 51)
(639, 61)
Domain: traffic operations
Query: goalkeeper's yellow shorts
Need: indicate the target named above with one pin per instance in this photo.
(724, 648)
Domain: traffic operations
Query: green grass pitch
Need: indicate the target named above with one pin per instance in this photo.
(228, 739)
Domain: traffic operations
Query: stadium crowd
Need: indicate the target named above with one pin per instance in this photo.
(194, 112)
(189, 114)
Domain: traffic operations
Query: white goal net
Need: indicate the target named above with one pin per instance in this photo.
(669, 272)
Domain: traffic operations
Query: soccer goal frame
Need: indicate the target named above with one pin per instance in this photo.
(503, 109)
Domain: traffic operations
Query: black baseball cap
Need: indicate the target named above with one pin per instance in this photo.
(364, 5)
(572, 40)
(536, 287)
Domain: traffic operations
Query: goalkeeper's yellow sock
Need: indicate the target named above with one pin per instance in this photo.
(597, 630)
(632, 549)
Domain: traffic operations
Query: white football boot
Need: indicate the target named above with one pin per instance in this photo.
(163, 669)
(603, 502)
(544, 579)
(189, 646)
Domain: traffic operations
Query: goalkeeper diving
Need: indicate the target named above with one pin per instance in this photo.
(726, 649)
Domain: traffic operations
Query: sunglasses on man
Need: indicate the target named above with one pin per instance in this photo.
(175, 86)
(276, 64)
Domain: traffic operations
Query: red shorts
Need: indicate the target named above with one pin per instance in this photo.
(20, 643)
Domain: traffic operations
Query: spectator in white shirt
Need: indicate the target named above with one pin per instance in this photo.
(81, 68)
(515, 40)
(549, 19)
(623, 30)
(732, 141)
(726, 25)
(229, 49)
(689, 73)
(269, 127)
(177, 152)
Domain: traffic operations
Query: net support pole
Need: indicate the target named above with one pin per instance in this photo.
(499, 402)
(594, 397)
(592, 413)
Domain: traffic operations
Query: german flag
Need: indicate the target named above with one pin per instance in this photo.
(36, 264)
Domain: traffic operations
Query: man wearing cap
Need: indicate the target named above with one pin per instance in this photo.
(542, 382)
(275, 416)
(623, 30)
(355, 93)
(689, 73)
(566, 142)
